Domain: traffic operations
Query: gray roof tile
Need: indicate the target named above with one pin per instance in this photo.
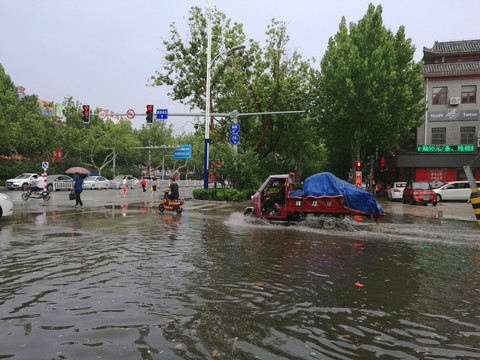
(449, 69)
(454, 47)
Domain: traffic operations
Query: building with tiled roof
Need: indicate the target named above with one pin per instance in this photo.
(450, 135)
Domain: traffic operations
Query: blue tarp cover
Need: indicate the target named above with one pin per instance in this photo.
(327, 184)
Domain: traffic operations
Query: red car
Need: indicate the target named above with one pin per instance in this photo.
(419, 192)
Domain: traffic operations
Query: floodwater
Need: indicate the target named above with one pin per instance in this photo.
(122, 281)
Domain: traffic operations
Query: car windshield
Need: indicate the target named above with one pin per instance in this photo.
(90, 178)
(23, 176)
(400, 185)
(421, 186)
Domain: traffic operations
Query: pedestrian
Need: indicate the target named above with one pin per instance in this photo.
(124, 187)
(144, 184)
(77, 186)
(154, 185)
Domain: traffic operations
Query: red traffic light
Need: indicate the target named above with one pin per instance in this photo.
(86, 113)
(358, 164)
(149, 114)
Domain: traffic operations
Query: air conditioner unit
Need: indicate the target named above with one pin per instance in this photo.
(455, 101)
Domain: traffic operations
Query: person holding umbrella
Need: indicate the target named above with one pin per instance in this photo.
(78, 188)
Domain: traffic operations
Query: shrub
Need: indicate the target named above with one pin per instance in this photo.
(232, 195)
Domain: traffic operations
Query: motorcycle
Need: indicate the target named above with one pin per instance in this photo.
(175, 205)
(41, 194)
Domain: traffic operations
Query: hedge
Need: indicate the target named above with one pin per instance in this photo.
(232, 195)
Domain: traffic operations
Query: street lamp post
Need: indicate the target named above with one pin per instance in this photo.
(207, 95)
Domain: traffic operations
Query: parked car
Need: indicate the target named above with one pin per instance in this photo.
(419, 192)
(395, 192)
(61, 182)
(96, 182)
(455, 190)
(20, 182)
(6, 206)
(132, 182)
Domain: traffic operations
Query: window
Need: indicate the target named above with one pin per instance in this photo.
(439, 136)
(439, 95)
(467, 135)
(469, 94)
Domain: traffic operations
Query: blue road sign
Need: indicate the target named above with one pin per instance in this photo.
(45, 165)
(183, 152)
(234, 139)
(234, 128)
(162, 114)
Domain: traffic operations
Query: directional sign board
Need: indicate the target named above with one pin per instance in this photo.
(234, 139)
(45, 165)
(183, 152)
(162, 114)
(234, 128)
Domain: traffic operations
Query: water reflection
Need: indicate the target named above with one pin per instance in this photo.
(203, 285)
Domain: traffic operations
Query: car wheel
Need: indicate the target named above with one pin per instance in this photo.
(439, 198)
(412, 201)
(435, 204)
(49, 187)
(25, 187)
(403, 200)
(1, 212)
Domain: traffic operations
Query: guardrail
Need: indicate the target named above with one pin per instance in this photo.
(62, 185)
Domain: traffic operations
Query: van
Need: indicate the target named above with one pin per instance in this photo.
(455, 190)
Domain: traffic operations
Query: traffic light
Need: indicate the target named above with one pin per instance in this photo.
(149, 114)
(358, 165)
(86, 114)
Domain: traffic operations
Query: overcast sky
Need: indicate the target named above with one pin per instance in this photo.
(52, 47)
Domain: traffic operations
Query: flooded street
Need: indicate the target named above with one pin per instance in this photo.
(119, 280)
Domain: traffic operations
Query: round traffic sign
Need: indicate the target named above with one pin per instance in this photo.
(234, 139)
(102, 114)
(234, 128)
(130, 114)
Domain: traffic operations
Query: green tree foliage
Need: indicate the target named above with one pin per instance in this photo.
(369, 91)
(256, 79)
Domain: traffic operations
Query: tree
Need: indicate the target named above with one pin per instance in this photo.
(369, 91)
(257, 80)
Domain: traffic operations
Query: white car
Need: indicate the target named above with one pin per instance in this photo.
(20, 182)
(6, 206)
(396, 191)
(455, 190)
(96, 182)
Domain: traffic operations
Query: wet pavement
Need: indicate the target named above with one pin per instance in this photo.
(120, 280)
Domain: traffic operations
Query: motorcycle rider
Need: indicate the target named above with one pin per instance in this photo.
(173, 191)
(38, 185)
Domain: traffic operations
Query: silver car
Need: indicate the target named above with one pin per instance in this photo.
(117, 182)
(59, 182)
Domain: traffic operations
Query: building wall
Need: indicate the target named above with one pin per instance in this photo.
(451, 124)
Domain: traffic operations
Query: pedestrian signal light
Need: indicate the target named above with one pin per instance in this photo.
(358, 165)
(86, 114)
(149, 114)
